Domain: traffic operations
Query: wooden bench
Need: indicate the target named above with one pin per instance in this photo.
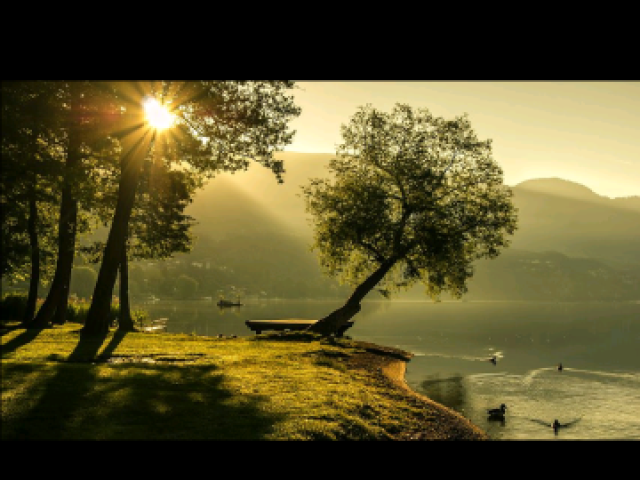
(259, 326)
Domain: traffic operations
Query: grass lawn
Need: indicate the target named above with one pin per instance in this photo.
(58, 385)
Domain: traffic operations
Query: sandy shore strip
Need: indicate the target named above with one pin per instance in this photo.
(441, 423)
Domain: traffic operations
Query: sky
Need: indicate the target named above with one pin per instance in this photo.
(586, 132)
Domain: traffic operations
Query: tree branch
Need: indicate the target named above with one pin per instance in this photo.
(378, 256)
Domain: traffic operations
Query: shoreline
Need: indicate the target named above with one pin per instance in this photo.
(384, 369)
(442, 423)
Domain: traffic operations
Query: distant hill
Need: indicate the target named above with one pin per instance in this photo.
(556, 214)
(631, 203)
(526, 275)
(252, 233)
(560, 188)
(571, 243)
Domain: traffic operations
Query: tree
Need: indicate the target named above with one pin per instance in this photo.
(30, 160)
(413, 198)
(158, 225)
(219, 126)
(78, 114)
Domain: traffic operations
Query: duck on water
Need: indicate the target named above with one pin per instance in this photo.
(497, 413)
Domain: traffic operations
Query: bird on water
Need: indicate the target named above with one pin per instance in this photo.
(497, 412)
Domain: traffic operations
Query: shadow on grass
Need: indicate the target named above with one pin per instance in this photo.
(85, 399)
(22, 339)
(9, 326)
(89, 346)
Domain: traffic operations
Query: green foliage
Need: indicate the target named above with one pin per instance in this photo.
(222, 125)
(31, 160)
(219, 126)
(67, 139)
(159, 227)
(54, 146)
(12, 307)
(412, 190)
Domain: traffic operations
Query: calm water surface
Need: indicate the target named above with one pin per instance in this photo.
(597, 393)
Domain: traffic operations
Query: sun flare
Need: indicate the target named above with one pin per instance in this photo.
(157, 115)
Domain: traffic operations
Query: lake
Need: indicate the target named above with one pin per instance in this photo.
(596, 395)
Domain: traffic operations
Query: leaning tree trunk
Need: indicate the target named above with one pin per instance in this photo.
(34, 281)
(336, 320)
(54, 308)
(51, 309)
(97, 322)
(125, 322)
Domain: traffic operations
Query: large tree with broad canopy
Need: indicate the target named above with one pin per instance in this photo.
(216, 126)
(411, 198)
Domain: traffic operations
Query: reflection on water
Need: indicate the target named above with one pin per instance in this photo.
(448, 391)
(596, 394)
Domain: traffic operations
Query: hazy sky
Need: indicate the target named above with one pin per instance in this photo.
(587, 132)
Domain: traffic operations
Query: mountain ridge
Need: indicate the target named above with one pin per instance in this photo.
(570, 189)
(561, 222)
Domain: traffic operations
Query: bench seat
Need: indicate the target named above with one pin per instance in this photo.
(259, 326)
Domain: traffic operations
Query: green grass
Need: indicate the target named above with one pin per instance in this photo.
(59, 385)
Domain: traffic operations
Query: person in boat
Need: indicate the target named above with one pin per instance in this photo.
(493, 360)
(560, 367)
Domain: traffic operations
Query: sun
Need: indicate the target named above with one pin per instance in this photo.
(157, 115)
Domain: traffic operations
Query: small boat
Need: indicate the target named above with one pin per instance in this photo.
(228, 303)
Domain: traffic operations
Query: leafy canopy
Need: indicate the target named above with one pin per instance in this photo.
(414, 190)
(219, 125)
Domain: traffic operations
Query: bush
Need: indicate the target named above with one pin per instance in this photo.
(12, 307)
(80, 310)
(140, 317)
(77, 310)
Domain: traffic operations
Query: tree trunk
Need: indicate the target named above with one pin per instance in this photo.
(67, 266)
(125, 322)
(333, 323)
(54, 308)
(98, 316)
(34, 281)
(59, 292)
